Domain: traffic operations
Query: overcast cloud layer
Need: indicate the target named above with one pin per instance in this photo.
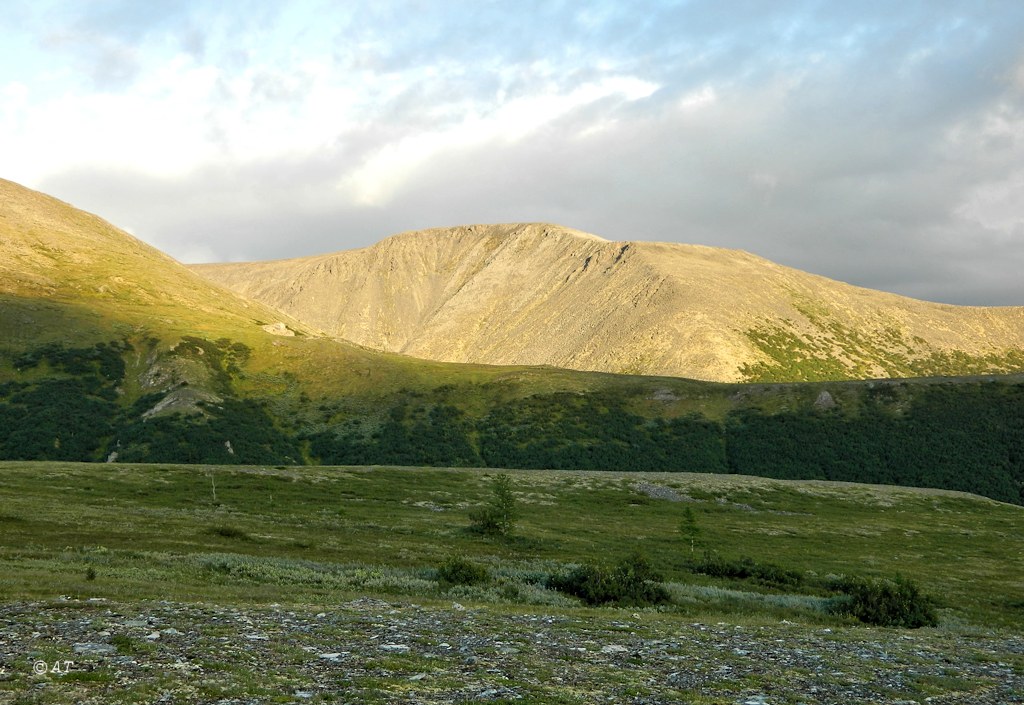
(879, 143)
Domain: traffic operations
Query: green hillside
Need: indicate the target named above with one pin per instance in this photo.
(110, 350)
(67, 404)
(95, 324)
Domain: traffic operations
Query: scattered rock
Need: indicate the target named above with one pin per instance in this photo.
(93, 648)
(481, 651)
(426, 504)
(279, 329)
(665, 395)
(660, 492)
(825, 401)
(183, 400)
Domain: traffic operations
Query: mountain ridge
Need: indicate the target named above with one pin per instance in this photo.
(543, 294)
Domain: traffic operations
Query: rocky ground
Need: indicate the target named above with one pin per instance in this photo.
(369, 650)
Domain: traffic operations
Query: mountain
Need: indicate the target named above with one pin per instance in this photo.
(110, 349)
(546, 295)
(70, 278)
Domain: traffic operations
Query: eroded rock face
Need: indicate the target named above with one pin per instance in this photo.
(181, 400)
(825, 401)
(184, 383)
(547, 295)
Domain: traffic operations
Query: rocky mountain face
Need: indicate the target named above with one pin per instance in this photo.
(546, 295)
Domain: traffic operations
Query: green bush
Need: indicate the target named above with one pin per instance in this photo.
(632, 582)
(746, 568)
(459, 571)
(888, 603)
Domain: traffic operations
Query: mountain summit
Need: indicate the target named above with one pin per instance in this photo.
(542, 294)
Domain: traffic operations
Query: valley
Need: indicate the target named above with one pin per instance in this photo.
(209, 582)
(205, 497)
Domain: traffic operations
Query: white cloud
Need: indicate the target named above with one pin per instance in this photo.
(193, 253)
(15, 100)
(157, 129)
(765, 183)
(998, 206)
(181, 117)
(375, 181)
(994, 144)
(695, 100)
(865, 141)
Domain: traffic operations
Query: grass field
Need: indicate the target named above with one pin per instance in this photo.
(268, 534)
(263, 584)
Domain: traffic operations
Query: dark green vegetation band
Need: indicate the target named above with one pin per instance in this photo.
(966, 436)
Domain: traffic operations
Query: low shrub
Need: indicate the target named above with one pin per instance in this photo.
(459, 571)
(746, 568)
(229, 532)
(632, 582)
(888, 603)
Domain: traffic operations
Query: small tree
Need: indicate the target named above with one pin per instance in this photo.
(498, 516)
(688, 527)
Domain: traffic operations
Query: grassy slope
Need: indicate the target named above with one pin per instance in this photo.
(157, 532)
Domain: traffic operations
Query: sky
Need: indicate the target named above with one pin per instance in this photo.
(878, 143)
